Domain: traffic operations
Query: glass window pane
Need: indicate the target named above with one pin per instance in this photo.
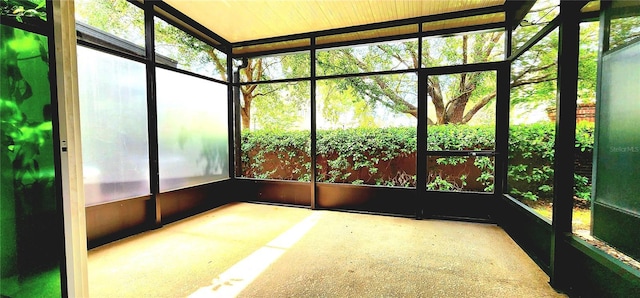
(177, 48)
(117, 17)
(31, 247)
(463, 49)
(396, 55)
(113, 118)
(367, 130)
(192, 130)
(276, 129)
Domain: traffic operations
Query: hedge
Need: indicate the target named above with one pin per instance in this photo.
(386, 156)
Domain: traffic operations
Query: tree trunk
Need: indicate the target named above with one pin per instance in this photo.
(456, 110)
(246, 110)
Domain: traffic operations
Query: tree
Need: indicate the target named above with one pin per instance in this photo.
(393, 92)
(455, 99)
(534, 73)
(459, 98)
(625, 23)
(588, 63)
(126, 21)
(453, 106)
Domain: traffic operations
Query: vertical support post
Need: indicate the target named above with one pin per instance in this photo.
(568, 50)
(421, 151)
(603, 47)
(420, 36)
(237, 127)
(70, 149)
(421, 138)
(237, 118)
(604, 29)
(503, 99)
(153, 205)
(503, 103)
(231, 117)
(314, 135)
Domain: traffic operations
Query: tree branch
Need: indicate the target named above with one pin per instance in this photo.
(396, 100)
(478, 106)
(218, 63)
(394, 55)
(532, 81)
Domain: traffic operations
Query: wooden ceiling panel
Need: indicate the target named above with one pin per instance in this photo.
(247, 20)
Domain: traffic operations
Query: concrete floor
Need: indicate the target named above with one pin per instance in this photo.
(257, 250)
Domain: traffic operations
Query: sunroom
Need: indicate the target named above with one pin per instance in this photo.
(120, 118)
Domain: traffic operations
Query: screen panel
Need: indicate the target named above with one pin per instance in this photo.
(367, 130)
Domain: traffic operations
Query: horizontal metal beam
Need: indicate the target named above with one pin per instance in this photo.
(443, 32)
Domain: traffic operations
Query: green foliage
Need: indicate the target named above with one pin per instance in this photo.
(385, 143)
(486, 165)
(625, 25)
(534, 73)
(588, 63)
(290, 151)
(278, 105)
(361, 150)
(460, 137)
(24, 10)
(585, 136)
(372, 156)
(26, 120)
(531, 152)
(117, 17)
(582, 187)
(125, 20)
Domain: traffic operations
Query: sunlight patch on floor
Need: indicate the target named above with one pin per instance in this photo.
(231, 282)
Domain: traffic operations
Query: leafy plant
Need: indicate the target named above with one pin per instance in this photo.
(23, 10)
(23, 137)
(372, 155)
(531, 152)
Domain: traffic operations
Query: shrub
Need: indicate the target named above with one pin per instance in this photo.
(386, 156)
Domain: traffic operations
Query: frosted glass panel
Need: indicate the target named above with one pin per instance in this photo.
(113, 109)
(192, 129)
(618, 155)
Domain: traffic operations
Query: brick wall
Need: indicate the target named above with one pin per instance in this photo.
(584, 112)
